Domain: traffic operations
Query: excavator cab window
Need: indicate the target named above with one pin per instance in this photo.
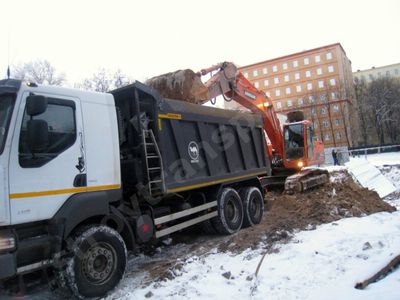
(294, 141)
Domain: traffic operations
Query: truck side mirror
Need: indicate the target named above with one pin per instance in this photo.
(37, 135)
(36, 105)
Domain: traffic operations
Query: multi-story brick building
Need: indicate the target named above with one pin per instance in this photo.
(318, 82)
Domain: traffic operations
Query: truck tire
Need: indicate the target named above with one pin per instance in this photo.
(98, 262)
(253, 206)
(230, 212)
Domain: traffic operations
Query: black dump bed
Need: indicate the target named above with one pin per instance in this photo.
(196, 146)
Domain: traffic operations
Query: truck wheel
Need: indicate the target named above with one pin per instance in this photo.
(98, 261)
(230, 212)
(253, 206)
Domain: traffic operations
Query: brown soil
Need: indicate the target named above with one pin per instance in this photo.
(184, 85)
(284, 215)
(288, 213)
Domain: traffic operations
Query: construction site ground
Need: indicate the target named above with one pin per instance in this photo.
(284, 216)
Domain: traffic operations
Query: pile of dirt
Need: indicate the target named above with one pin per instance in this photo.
(184, 85)
(287, 213)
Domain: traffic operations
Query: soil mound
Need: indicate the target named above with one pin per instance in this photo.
(287, 213)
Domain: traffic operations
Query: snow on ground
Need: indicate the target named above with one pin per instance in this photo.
(370, 176)
(325, 263)
(390, 158)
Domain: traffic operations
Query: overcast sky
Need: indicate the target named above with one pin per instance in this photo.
(147, 38)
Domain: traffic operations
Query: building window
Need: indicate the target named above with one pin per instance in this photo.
(332, 81)
(289, 103)
(312, 111)
(297, 76)
(330, 69)
(309, 86)
(325, 124)
(311, 99)
(321, 84)
(265, 71)
(277, 93)
(371, 77)
(387, 73)
(245, 74)
(300, 101)
(278, 105)
(396, 71)
(298, 88)
(337, 122)
(295, 64)
(329, 55)
(288, 91)
(268, 94)
(336, 108)
(327, 137)
(338, 135)
(322, 97)
(308, 73)
(315, 124)
(256, 84)
(255, 73)
(317, 58)
(275, 68)
(379, 74)
(266, 82)
(284, 66)
(276, 80)
(323, 110)
(306, 61)
(286, 77)
(319, 71)
(333, 95)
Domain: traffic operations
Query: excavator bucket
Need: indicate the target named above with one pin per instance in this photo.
(305, 180)
(184, 85)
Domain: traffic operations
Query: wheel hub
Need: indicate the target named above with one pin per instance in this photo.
(99, 262)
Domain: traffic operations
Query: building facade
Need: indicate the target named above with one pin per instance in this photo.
(318, 82)
(378, 72)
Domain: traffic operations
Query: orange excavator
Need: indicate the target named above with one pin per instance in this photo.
(291, 147)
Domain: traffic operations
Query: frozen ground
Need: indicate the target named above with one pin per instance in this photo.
(324, 262)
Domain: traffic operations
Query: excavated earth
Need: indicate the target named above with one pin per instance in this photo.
(284, 215)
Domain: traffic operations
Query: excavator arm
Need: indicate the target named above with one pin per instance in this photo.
(233, 86)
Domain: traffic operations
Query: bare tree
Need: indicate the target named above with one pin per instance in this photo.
(104, 81)
(378, 108)
(40, 71)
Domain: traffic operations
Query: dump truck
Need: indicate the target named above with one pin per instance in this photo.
(86, 177)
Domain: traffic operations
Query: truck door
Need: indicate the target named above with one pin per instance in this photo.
(40, 182)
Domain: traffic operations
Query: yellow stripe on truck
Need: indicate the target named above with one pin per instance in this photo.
(170, 116)
(65, 191)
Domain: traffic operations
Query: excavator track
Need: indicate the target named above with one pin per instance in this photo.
(305, 180)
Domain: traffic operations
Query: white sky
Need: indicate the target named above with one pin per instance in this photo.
(148, 37)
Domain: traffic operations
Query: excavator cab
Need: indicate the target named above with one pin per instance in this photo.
(301, 148)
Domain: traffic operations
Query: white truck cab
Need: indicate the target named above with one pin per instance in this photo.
(50, 154)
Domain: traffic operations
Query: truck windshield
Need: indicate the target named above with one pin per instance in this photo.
(294, 141)
(6, 108)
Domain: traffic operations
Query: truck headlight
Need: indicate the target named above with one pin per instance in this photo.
(300, 164)
(7, 241)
